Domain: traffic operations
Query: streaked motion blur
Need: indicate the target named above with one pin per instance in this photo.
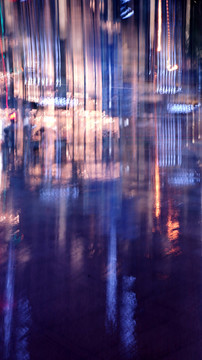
(100, 179)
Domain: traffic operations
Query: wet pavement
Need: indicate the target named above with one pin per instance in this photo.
(100, 180)
(101, 235)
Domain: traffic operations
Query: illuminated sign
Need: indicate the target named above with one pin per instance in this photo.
(181, 108)
(13, 116)
(59, 102)
(125, 10)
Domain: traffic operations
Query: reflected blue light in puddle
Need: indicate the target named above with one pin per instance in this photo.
(184, 177)
(52, 194)
(112, 280)
(15, 339)
(169, 141)
(9, 300)
(128, 308)
(24, 322)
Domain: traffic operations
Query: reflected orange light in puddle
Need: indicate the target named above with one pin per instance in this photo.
(173, 229)
(172, 224)
(173, 232)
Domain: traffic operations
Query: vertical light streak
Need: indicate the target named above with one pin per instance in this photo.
(180, 141)
(159, 25)
(168, 34)
(56, 44)
(166, 51)
(157, 190)
(4, 69)
(152, 22)
(193, 128)
(112, 279)
(9, 296)
(187, 29)
(157, 176)
(169, 66)
(173, 143)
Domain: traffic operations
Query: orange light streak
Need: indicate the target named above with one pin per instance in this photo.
(159, 25)
(175, 67)
(168, 27)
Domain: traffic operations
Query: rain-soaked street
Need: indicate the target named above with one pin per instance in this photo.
(100, 180)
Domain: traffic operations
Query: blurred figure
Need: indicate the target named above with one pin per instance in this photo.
(26, 125)
(2, 125)
(9, 135)
(12, 134)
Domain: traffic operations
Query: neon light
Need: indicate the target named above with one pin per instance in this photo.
(59, 101)
(181, 108)
(2, 24)
(13, 116)
(173, 68)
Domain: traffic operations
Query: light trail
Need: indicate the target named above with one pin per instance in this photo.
(157, 175)
(159, 25)
(168, 29)
(4, 68)
(174, 67)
